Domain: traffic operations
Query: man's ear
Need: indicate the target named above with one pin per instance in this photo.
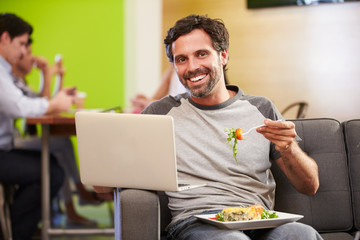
(5, 36)
(224, 55)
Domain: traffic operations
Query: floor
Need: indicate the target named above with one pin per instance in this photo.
(102, 214)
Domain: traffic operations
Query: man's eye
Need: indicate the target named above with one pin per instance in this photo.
(202, 54)
(180, 60)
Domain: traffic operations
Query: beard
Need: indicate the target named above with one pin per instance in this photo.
(206, 88)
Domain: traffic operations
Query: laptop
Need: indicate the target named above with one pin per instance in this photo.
(128, 151)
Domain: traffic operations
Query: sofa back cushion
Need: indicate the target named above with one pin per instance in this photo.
(330, 209)
(352, 140)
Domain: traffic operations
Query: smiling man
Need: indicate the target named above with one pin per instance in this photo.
(198, 48)
(200, 81)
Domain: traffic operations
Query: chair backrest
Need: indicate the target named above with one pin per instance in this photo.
(301, 112)
(352, 139)
(322, 139)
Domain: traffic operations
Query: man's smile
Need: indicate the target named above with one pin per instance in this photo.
(197, 75)
(198, 78)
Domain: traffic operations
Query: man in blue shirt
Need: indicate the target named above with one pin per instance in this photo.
(23, 167)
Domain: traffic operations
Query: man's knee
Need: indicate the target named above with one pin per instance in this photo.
(198, 230)
(296, 231)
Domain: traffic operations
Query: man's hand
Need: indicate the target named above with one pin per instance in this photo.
(42, 64)
(300, 169)
(139, 102)
(281, 133)
(62, 102)
(57, 68)
(101, 189)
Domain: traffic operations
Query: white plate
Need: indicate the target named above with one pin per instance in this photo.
(251, 224)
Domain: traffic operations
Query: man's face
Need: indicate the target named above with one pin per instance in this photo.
(197, 63)
(14, 48)
(25, 64)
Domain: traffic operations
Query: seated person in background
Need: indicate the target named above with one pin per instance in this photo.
(60, 147)
(23, 167)
(169, 85)
(198, 48)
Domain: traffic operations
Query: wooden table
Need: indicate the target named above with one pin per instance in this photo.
(59, 126)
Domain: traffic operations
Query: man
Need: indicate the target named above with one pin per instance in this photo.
(24, 66)
(23, 167)
(60, 147)
(198, 48)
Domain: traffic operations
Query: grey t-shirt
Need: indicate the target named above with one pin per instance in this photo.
(203, 156)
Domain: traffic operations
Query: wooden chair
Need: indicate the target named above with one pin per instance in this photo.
(301, 112)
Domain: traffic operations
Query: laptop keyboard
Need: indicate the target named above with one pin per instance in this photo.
(183, 184)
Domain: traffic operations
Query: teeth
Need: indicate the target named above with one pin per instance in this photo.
(197, 78)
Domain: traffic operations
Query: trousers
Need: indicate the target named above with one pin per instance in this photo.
(193, 229)
(23, 169)
(62, 149)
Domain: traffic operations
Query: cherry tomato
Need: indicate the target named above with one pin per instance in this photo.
(238, 133)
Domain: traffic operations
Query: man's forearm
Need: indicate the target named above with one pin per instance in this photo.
(300, 169)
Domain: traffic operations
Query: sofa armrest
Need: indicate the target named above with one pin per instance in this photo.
(140, 215)
(352, 139)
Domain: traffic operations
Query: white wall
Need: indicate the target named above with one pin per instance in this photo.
(289, 54)
(143, 26)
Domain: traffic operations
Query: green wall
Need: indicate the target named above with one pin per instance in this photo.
(90, 36)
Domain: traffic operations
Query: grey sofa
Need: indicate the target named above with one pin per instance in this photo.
(334, 211)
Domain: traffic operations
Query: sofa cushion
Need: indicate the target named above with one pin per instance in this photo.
(140, 214)
(337, 236)
(352, 140)
(330, 209)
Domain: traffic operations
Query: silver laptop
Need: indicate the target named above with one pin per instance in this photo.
(128, 151)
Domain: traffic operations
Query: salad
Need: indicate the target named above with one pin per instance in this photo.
(234, 134)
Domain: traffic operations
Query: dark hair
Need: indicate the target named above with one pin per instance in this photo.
(14, 25)
(215, 28)
(30, 41)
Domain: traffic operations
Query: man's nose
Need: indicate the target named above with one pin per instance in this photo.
(23, 50)
(193, 64)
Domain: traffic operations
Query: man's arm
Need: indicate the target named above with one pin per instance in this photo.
(140, 101)
(61, 102)
(300, 169)
(49, 71)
